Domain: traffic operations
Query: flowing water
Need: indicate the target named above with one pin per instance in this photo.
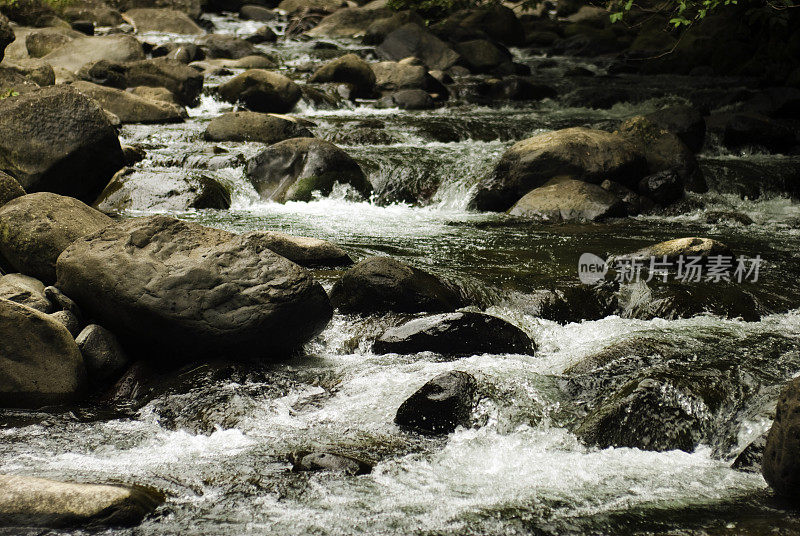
(219, 444)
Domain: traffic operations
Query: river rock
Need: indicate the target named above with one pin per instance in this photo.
(481, 55)
(187, 292)
(441, 405)
(293, 7)
(40, 364)
(378, 29)
(392, 75)
(457, 334)
(265, 34)
(68, 320)
(131, 108)
(379, 284)
(681, 247)
(292, 169)
(348, 69)
(254, 126)
(329, 461)
(6, 35)
(579, 153)
(684, 121)
(347, 22)
(571, 304)
(25, 290)
(568, 200)
(413, 40)
(14, 83)
(162, 20)
(183, 81)
(257, 13)
(78, 52)
(407, 99)
(36, 228)
(160, 94)
(664, 187)
(781, 465)
(56, 139)
(227, 47)
(262, 91)
(39, 71)
(103, 356)
(133, 189)
(37, 502)
(9, 188)
(305, 251)
(42, 42)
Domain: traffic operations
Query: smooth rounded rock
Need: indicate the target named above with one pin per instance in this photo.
(262, 91)
(254, 126)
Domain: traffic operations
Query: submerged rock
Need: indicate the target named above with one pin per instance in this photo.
(292, 169)
(329, 461)
(40, 364)
(305, 251)
(455, 334)
(781, 465)
(569, 200)
(262, 91)
(37, 502)
(378, 284)
(441, 405)
(254, 126)
(186, 292)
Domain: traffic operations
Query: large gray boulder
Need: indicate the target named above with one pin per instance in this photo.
(56, 139)
(295, 168)
(36, 228)
(578, 153)
(162, 20)
(131, 108)
(262, 91)
(37, 502)
(781, 464)
(568, 200)
(40, 364)
(413, 40)
(254, 126)
(78, 52)
(180, 291)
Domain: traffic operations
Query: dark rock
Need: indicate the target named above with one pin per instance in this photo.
(568, 200)
(347, 22)
(57, 140)
(781, 465)
(183, 81)
(86, 27)
(254, 126)
(265, 34)
(414, 40)
(103, 356)
(579, 153)
(378, 284)
(179, 291)
(634, 203)
(176, 50)
(9, 189)
(571, 304)
(40, 364)
(664, 187)
(6, 35)
(13, 83)
(457, 334)
(684, 121)
(131, 108)
(292, 169)
(104, 73)
(305, 251)
(408, 99)
(348, 69)
(329, 461)
(132, 189)
(25, 290)
(727, 217)
(36, 228)
(440, 405)
(752, 457)
(68, 320)
(481, 55)
(753, 130)
(227, 46)
(60, 301)
(262, 91)
(379, 29)
(497, 21)
(133, 154)
(392, 76)
(255, 12)
(515, 88)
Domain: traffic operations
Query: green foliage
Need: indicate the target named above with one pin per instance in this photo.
(687, 12)
(8, 93)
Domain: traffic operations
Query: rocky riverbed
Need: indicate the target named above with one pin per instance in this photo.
(313, 268)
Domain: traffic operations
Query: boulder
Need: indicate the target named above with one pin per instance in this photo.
(481, 55)
(162, 190)
(162, 20)
(781, 463)
(60, 301)
(348, 69)
(408, 99)
(684, 121)
(40, 364)
(254, 126)
(413, 40)
(6, 35)
(265, 34)
(227, 47)
(78, 52)
(681, 247)
(348, 22)
(441, 405)
(257, 13)
(664, 187)
(41, 42)
(457, 334)
(39, 71)
(68, 320)
(391, 75)
(380, 284)
(183, 81)
(571, 304)
(378, 29)
(305, 251)
(178, 50)
(179, 291)
(14, 83)
(568, 200)
(103, 356)
(741, 130)
(292, 169)
(9, 188)
(294, 7)
(131, 108)
(498, 22)
(37, 502)
(25, 290)
(634, 203)
(90, 13)
(262, 91)
(160, 94)
(36, 228)
(580, 153)
(329, 461)
(193, 8)
(56, 139)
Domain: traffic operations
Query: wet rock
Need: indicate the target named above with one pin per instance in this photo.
(305, 251)
(571, 304)
(6, 35)
(457, 334)
(347, 22)
(162, 20)
(293, 7)
(36, 228)
(133, 154)
(78, 52)
(37, 502)
(265, 34)
(25, 290)
(481, 55)
(378, 284)
(515, 88)
(131, 108)
(254, 126)
(39, 71)
(40, 43)
(256, 12)
(227, 47)
(292, 169)
(684, 121)
(664, 187)
(262, 91)
(103, 356)
(727, 217)
(781, 465)
(743, 130)
(68, 320)
(579, 153)
(177, 50)
(101, 72)
(392, 75)
(183, 81)
(40, 364)
(132, 189)
(348, 69)
(568, 200)
(413, 40)
(634, 203)
(55, 139)
(329, 461)
(408, 99)
(9, 188)
(180, 291)
(440, 405)
(681, 247)
(378, 30)
(751, 458)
